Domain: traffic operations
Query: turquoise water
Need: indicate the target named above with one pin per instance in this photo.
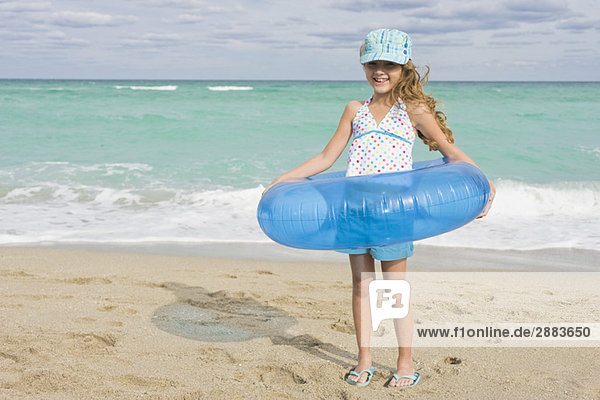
(187, 160)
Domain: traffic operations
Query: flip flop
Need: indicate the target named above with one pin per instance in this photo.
(414, 377)
(369, 372)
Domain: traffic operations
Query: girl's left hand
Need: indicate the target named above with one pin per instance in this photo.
(491, 199)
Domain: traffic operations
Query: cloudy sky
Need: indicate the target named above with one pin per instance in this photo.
(303, 39)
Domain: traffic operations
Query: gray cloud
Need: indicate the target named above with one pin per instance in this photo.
(16, 36)
(345, 37)
(43, 41)
(518, 33)
(447, 43)
(185, 19)
(579, 24)
(385, 5)
(511, 43)
(538, 6)
(24, 6)
(293, 36)
(75, 19)
(151, 39)
(241, 35)
(68, 42)
(492, 16)
(173, 3)
(197, 5)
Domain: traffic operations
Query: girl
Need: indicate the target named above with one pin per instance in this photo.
(397, 110)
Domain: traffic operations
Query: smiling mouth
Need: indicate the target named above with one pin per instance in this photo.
(380, 80)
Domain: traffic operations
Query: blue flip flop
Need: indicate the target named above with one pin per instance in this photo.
(414, 377)
(369, 372)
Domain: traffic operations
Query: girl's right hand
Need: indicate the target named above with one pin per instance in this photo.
(268, 187)
(275, 182)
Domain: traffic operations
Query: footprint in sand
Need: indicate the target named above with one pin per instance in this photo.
(6, 272)
(278, 376)
(45, 381)
(344, 326)
(264, 272)
(154, 382)
(87, 281)
(94, 340)
(216, 354)
(9, 356)
(452, 360)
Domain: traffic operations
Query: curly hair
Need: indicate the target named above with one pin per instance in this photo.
(410, 90)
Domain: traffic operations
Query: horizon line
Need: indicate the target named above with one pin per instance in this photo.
(283, 80)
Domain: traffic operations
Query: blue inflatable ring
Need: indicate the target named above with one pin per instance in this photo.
(333, 212)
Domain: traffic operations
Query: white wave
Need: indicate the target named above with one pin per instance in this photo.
(39, 170)
(228, 88)
(527, 216)
(566, 199)
(53, 195)
(590, 150)
(116, 168)
(165, 88)
(104, 215)
(523, 216)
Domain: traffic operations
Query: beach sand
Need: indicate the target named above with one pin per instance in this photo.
(127, 324)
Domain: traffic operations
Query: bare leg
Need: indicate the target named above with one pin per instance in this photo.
(396, 269)
(360, 264)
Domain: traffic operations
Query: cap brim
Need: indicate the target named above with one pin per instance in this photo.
(378, 56)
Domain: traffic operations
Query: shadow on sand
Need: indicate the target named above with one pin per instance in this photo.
(224, 317)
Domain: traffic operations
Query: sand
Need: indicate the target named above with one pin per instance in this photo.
(123, 324)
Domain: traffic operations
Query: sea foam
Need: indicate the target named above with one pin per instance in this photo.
(163, 88)
(228, 88)
(523, 216)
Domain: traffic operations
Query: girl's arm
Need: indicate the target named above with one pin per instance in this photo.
(330, 153)
(424, 121)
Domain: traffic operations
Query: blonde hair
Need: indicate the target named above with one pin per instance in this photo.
(410, 90)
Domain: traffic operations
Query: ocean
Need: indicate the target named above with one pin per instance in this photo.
(186, 161)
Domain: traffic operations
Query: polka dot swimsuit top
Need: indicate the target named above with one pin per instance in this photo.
(384, 148)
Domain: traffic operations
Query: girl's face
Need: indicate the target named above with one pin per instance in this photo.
(382, 75)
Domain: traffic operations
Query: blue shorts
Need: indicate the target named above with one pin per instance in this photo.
(386, 253)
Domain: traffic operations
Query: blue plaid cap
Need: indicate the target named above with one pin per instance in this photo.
(388, 45)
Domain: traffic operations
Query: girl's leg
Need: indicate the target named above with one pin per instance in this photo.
(362, 263)
(396, 269)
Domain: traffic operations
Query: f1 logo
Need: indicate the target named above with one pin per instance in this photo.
(389, 299)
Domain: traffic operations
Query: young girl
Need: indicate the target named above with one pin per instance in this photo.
(397, 111)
